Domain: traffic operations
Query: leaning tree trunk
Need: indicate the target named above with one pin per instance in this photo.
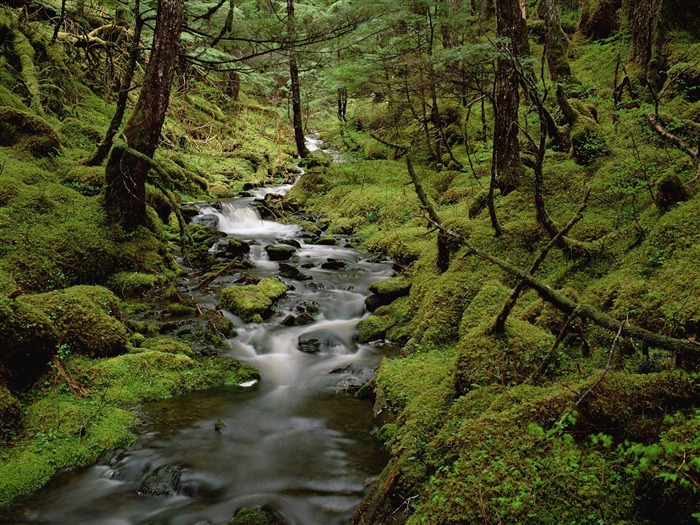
(125, 195)
(296, 90)
(506, 152)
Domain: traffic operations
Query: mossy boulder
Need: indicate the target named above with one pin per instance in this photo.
(252, 302)
(387, 291)
(27, 132)
(28, 339)
(168, 345)
(372, 328)
(134, 284)
(272, 288)
(85, 318)
(255, 516)
(669, 191)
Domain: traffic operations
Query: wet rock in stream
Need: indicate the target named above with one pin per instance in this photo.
(163, 481)
(280, 252)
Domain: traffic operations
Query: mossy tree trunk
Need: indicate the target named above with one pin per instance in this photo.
(648, 21)
(556, 42)
(125, 195)
(100, 154)
(598, 18)
(296, 88)
(506, 152)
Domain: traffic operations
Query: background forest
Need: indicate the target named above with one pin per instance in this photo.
(531, 166)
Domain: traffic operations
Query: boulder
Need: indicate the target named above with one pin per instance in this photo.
(163, 481)
(208, 219)
(319, 341)
(280, 252)
(386, 292)
(333, 264)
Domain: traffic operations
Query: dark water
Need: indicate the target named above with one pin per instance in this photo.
(293, 441)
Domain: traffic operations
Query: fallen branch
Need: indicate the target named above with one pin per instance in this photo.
(500, 322)
(679, 142)
(230, 266)
(684, 349)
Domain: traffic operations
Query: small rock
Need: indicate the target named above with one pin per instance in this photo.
(333, 264)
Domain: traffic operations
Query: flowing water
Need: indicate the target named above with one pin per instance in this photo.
(293, 442)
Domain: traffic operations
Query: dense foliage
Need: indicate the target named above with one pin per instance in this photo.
(531, 166)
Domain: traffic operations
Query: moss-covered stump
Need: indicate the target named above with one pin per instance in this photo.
(252, 302)
(86, 318)
(28, 339)
(27, 132)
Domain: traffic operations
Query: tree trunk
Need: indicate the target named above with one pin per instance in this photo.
(125, 195)
(506, 152)
(556, 43)
(296, 90)
(648, 21)
(103, 148)
(598, 18)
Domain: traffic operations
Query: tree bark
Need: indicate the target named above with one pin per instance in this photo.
(103, 148)
(556, 43)
(598, 18)
(125, 195)
(296, 89)
(506, 152)
(648, 21)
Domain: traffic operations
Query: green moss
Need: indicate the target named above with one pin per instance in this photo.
(10, 415)
(134, 284)
(27, 133)
(85, 318)
(271, 288)
(28, 339)
(168, 345)
(508, 358)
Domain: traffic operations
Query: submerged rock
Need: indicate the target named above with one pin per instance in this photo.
(333, 264)
(319, 340)
(163, 481)
(209, 220)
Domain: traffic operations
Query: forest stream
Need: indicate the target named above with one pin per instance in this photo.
(295, 442)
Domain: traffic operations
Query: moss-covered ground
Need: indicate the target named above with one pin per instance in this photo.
(87, 310)
(551, 421)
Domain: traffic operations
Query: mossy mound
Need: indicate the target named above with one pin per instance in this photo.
(253, 301)
(28, 339)
(85, 318)
(508, 358)
(134, 284)
(27, 133)
(10, 414)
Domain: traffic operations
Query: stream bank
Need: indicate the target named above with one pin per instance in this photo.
(294, 442)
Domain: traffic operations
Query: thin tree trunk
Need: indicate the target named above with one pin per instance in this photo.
(103, 148)
(125, 195)
(296, 90)
(506, 152)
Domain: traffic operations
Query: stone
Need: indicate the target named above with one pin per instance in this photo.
(280, 252)
(208, 219)
(163, 481)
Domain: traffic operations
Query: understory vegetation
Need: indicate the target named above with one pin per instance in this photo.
(548, 307)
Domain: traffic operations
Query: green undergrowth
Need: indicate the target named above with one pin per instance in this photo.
(541, 424)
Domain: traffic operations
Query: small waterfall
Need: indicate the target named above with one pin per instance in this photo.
(290, 442)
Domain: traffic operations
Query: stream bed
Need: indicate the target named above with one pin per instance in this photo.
(295, 442)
